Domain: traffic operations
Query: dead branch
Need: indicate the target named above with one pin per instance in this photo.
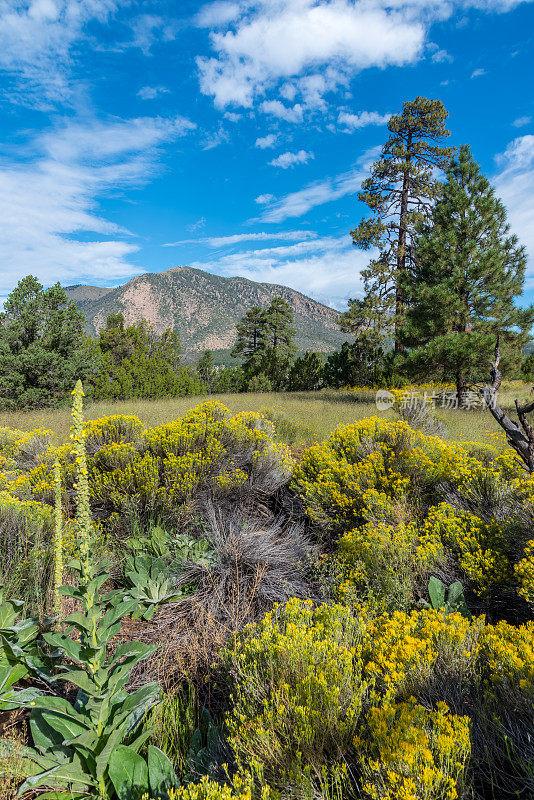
(521, 440)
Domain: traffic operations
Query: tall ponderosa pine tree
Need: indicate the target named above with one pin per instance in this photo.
(400, 192)
(467, 273)
(43, 347)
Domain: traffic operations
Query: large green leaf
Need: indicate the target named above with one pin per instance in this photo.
(45, 738)
(62, 776)
(128, 773)
(161, 774)
(73, 649)
(63, 724)
(436, 590)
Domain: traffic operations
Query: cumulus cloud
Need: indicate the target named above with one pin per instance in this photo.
(514, 184)
(277, 109)
(315, 194)
(327, 268)
(266, 141)
(351, 122)
(51, 226)
(284, 38)
(312, 47)
(286, 160)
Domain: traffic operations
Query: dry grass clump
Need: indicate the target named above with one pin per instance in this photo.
(256, 563)
(419, 415)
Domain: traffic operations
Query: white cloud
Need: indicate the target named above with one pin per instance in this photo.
(283, 38)
(514, 184)
(352, 122)
(266, 141)
(315, 194)
(477, 73)
(36, 37)
(48, 202)
(315, 46)
(286, 160)
(215, 138)
(218, 13)
(327, 269)
(263, 199)
(277, 109)
(441, 56)
(236, 238)
(521, 121)
(151, 92)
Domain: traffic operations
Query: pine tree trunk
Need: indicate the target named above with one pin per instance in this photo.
(401, 246)
(461, 390)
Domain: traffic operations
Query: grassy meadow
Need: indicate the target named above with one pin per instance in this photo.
(314, 415)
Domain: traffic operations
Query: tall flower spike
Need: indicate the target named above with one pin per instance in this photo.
(83, 522)
(58, 538)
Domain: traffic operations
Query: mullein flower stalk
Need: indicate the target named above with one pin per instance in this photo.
(83, 521)
(58, 539)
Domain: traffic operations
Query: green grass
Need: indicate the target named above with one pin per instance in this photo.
(316, 413)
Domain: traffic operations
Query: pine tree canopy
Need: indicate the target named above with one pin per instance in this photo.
(467, 273)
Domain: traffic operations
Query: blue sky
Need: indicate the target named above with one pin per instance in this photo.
(233, 136)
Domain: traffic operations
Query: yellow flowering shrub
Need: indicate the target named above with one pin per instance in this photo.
(322, 694)
(415, 753)
(242, 787)
(379, 486)
(524, 573)
(387, 561)
(480, 547)
(388, 457)
(114, 429)
(507, 662)
(157, 471)
(405, 652)
(299, 689)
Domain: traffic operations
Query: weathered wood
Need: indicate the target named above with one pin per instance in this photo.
(521, 440)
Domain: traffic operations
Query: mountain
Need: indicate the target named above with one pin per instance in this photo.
(204, 309)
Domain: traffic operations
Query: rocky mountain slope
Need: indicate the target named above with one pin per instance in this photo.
(204, 308)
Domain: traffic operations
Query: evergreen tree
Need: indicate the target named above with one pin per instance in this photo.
(467, 273)
(356, 364)
(250, 331)
(43, 347)
(138, 362)
(306, 372)
(265, 340)
(278, 331)
(400, 192)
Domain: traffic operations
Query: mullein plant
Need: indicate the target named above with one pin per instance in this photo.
(92, 745)
(17, 645)
(58, 539)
